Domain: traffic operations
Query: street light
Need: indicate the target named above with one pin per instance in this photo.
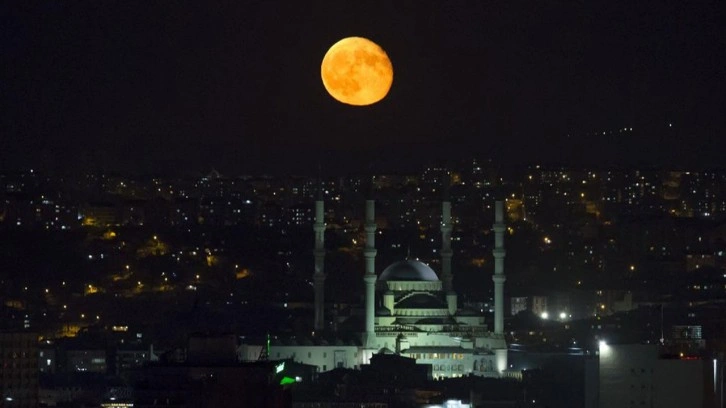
(604, 349)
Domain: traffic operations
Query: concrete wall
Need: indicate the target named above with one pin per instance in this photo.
(626, 375)
(635, 376)
(679, 383)
(324, 357)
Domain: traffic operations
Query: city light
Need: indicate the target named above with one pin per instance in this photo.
(128, 118)
(603, 348)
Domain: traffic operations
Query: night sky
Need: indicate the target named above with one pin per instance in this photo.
(171, 86)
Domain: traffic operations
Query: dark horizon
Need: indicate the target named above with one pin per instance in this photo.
(139, 87)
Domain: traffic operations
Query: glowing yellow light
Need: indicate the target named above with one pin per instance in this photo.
(242, 273)
(356, 71)
(211, 260)
(478, 262)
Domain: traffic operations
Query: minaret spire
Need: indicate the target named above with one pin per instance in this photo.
(446, 228)
(446, 276)
(319, 253)
(370, 275)
(499, 277)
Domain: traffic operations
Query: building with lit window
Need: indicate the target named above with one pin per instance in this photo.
(19, 369)
(409, 310)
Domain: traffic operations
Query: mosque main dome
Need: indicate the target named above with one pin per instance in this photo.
(408, 270)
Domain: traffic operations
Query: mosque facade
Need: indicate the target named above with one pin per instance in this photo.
(409, 310)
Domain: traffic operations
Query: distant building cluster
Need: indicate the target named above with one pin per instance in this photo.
(131, 277)
(34, 200)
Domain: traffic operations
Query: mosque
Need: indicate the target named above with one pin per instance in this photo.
(409, 310)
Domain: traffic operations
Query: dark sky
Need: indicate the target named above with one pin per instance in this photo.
(174, 86)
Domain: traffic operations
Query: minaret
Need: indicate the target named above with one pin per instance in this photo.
(370, 276)
(446, 241)
(319, 253)
(498, 277)
(446, 251)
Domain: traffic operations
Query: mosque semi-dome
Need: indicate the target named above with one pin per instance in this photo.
(408, 270)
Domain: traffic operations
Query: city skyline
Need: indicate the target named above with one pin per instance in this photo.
(457, 204)
(149, 88)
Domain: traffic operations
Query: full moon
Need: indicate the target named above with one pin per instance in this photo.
(356, 71)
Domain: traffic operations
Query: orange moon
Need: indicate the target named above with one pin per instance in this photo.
(356, 71)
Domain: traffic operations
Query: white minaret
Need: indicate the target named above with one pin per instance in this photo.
(319, 253)
(498, 277)
(446, 252)
(370, 276)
